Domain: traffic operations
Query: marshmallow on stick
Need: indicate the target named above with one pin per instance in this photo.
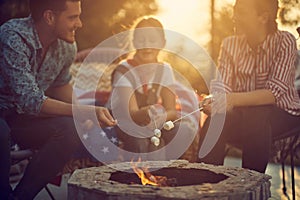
(155, 140)
(157, 133)
(168, 125)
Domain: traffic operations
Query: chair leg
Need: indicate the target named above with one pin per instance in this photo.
(49, 193)
(292, 174)
(283, 179)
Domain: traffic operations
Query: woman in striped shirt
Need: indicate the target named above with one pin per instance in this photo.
(256, 74)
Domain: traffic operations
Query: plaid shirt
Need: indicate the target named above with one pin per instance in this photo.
(271, 66)
(24, 74)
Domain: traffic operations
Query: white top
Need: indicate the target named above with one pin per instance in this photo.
(146, 71)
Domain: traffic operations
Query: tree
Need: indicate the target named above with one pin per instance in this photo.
(101, 19)
(289, 13)
(223, 27)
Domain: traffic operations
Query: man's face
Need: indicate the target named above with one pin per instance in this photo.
(246, 18)
(68, 21)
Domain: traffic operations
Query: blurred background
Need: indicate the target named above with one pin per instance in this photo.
(206, 22)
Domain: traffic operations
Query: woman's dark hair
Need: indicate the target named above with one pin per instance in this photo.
(38, 7)
(270, 6)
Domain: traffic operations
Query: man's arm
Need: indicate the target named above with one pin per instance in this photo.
(63, 93)
(23, 90)
(60, 103)
(55, 107)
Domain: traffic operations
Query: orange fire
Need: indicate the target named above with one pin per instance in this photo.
(146, 177)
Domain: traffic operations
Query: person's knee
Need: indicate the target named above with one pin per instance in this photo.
(65, 125)
(66, 131)
(258, 113)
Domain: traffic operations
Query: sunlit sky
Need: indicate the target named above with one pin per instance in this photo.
(192, 17)
(186, 17)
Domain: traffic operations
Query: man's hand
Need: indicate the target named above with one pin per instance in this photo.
(88, 124)
(104, 117)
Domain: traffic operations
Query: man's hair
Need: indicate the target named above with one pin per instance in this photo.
(38, 7)
(270, 6)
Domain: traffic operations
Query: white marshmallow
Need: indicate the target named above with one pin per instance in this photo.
(155, 140)
(157, 133)
(168, 125)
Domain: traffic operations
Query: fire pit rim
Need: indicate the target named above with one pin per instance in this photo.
(99, 179)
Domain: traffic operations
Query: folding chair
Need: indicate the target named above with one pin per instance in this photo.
(283, 146)
(287, 144)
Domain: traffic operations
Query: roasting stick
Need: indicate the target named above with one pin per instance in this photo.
(155, 123)
(155, 140)
(199, 109)
(170, 124)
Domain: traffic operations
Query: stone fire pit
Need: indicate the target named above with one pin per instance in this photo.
(194, 181)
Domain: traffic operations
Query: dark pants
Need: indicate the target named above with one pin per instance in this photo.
(252, 130)
(55, 138)
(5, 188)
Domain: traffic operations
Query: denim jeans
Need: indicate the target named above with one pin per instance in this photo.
(252, 128)
(55, 138)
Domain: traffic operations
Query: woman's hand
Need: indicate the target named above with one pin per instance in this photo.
(219, 103)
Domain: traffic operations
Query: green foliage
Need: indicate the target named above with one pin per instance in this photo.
(289, 13)
(187, 70)
(223, 27)
(102, 19)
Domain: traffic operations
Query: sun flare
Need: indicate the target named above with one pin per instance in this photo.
(190, 18)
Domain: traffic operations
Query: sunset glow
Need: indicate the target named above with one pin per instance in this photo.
(192, 17)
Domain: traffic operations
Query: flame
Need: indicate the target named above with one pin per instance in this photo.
(146, 177)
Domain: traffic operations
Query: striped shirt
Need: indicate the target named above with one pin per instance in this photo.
(271, 66)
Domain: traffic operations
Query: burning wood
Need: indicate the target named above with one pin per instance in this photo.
(149, 179)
